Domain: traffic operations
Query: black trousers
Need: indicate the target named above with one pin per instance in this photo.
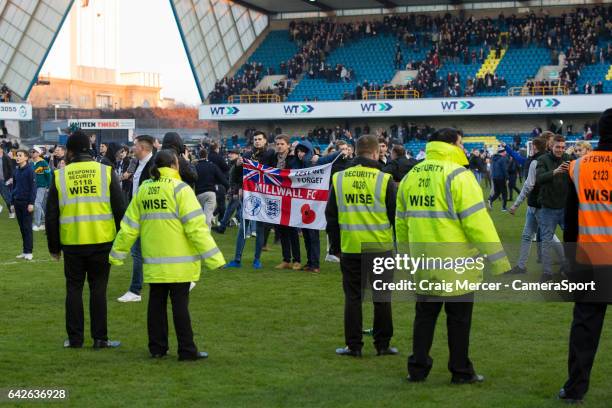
(157, 319)
(500, 188)
(77, 267)
(458, 323)
(353, 283)
(220, 197)
(584, 340)
(24, 219)
(290, 244)
(512, 187)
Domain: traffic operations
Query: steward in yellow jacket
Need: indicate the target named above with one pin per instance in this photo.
(440, 201)
(169, 220)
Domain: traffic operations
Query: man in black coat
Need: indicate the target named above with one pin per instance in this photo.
(6, 174)
(209, 177)
(221, 191)
(188, 173)
(399, 165)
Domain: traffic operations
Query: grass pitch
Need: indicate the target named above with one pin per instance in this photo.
(271, 336)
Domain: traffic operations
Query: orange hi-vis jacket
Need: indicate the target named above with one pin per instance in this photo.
(592, 178)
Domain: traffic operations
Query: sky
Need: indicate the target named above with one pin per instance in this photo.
(149, 41)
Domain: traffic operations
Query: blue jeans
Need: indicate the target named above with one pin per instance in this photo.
(548, 219)
(6, 194)
(530, 228)
(240, 240)
(40, 205)
(234, 205)
(313, 247)
(136, 285)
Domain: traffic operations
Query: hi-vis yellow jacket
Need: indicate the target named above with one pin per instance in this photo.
(440, 202)
(173, 233)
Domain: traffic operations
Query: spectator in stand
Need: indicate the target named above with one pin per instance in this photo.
(209, 177)
(499, 174)
(43, 181)
(6, 180)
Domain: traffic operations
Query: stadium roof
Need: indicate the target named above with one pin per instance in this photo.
(289, 6)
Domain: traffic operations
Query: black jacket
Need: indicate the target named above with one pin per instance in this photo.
(399, 167)
(235, 178)
(219, 161)
(145, 175)
(187, 170)
(552, 189)
(209, 175)
(7, 167)
(331, 212)
(52, 217)
(532, 199)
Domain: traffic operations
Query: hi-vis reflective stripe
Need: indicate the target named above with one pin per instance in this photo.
(365, 227)
(86, 218)
(78, 200)
(118, 255)
(178, 188)
(130, 222)
(423, 214)
(192, 215)
(471, 210)
(181, 259)
(496, 256)
(172, 259)
(210, 253)
(601, 207)
(449, 196)
(377, 207)
(440, 214)
(595, 230)
(158, 216)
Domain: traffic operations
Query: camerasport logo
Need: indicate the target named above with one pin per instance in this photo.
(542, 103)
(298, 109)
(376, 107)
(224, 110)
(451, 106)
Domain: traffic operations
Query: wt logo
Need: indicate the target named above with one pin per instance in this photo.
(298, 109)
(224, 110)
(376, 107)
(538, 103)
(457, 105)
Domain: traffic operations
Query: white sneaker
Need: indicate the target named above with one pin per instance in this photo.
(35, 228)
(41, 227)
(12, 215)
(21, 256)
(129, 297)
(191, 286)
(28, 257)
(253, 234)
(332, 258)
(1, 208)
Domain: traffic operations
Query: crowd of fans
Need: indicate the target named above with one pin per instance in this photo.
(456, 39)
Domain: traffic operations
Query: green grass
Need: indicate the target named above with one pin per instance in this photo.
(271, 336)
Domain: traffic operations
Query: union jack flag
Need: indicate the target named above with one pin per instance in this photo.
(259, 173)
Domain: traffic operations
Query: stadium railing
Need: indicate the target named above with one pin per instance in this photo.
(392, 94)
(538, 90)
(259, 98)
